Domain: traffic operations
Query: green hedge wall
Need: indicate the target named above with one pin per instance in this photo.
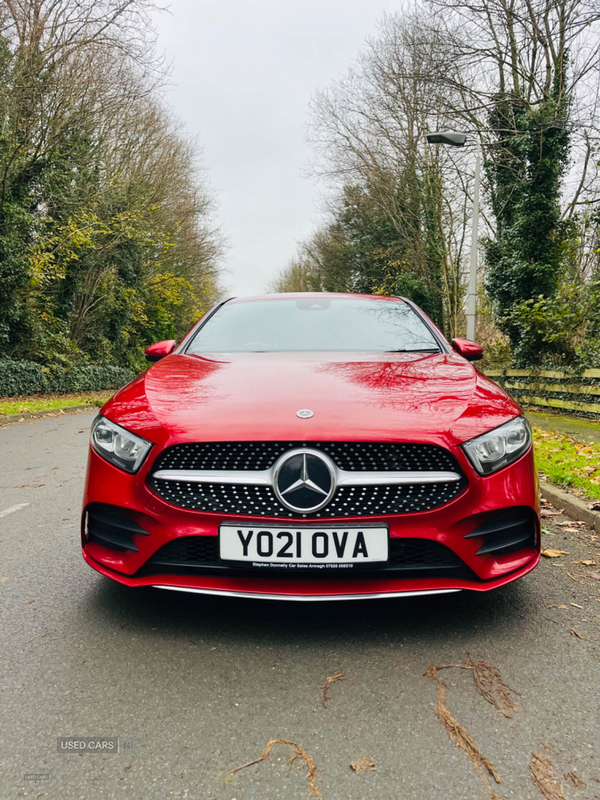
(28, 377)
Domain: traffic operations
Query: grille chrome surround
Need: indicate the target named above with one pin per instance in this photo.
(372, 478)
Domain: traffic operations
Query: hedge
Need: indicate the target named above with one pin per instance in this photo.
(28, 377)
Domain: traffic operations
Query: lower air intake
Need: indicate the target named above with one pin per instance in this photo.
(407, 558)
(112, 527)
(506, 531)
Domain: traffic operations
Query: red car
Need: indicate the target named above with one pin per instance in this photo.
(312, 447)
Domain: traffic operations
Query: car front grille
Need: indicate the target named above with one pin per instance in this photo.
(193, 555)
(365, 456)
(247, 499)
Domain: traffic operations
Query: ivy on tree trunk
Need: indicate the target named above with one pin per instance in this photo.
(531, 145)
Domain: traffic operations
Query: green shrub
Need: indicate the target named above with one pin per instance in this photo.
(20, 377)
(28, 377)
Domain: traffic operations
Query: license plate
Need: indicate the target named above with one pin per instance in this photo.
(295, 546)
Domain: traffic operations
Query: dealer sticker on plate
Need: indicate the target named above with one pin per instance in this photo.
(280, 546)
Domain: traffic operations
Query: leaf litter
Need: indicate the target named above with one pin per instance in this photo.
(361, 764)
(574, 780)
(489, 684)
(297, 754)
(552, 552)
(544, 777)
(327, 683)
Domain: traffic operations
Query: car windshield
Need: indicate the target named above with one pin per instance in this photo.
(314, 325)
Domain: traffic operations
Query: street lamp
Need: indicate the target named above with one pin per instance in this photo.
(458, 140)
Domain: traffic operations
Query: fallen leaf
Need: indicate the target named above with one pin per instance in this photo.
(588, 563)
(551, 552)
(570, 522)
(456, 733)
(594, 506)
(595, 576)
(29, 602)
(361, 764)
(128, 768)
(545, 512)
(558, 606)
(576, 782)
(297, 753)
(544, 777)
(180, 775)
(488, 682)
(574, 633)
(577, 606)
(337, 677)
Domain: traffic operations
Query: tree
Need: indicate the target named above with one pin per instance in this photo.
(525, 72)
(106, 240)
(369, 133)
(521, 77)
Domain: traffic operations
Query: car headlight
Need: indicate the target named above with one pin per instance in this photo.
(500, 446)
(118, 445)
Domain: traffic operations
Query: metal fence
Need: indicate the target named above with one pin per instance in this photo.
(575, 394)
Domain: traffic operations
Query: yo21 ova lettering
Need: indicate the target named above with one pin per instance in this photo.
(289, 544)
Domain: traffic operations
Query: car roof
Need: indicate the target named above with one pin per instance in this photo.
(315, 295)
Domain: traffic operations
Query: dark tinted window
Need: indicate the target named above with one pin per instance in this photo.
(309, 324)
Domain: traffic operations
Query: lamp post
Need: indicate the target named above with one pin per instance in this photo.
(458, 140)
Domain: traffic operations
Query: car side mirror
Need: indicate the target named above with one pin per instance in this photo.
(467, 349)
(159, 350)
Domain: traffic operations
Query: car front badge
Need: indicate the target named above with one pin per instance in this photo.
(305, 413)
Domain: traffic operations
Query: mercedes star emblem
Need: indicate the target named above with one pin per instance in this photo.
(305, 413)
(304, 480)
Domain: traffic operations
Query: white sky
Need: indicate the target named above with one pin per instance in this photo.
(243, 74)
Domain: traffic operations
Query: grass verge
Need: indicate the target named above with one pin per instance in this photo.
(567, 462)
(17, 405)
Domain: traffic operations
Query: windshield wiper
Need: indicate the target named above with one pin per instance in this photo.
(417, 350)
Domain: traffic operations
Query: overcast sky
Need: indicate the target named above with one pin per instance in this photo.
(243, 74)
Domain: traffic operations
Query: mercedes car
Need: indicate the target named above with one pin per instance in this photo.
(312, 447)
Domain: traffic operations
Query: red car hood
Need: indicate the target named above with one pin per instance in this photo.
(439, 398)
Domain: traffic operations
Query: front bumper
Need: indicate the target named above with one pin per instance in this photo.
(482, 501)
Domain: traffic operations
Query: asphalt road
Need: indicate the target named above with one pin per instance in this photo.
(202, 684)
